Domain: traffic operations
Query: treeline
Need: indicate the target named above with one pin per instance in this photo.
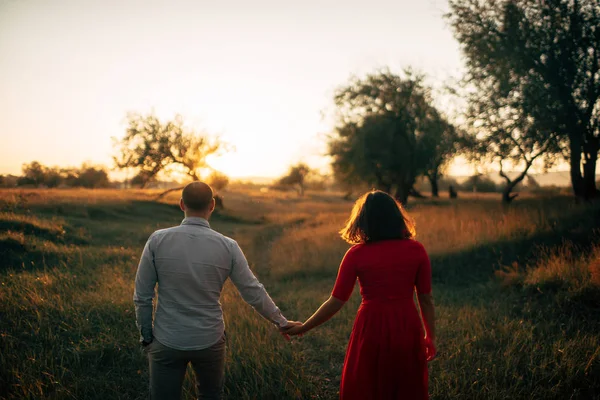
(35, 174)
(89, 176)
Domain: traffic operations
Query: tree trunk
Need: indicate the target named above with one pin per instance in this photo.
(575, 164)
(507, 197)
(415, 193)
(384, 187)
(589, 169)
(382, 184)
(402, 193)
(433, 180)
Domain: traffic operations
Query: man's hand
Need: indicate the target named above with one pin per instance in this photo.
(284, 330)
(293, 328)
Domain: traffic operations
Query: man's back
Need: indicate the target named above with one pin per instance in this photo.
(191, 263)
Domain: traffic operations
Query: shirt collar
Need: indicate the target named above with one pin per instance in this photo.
(195, 221)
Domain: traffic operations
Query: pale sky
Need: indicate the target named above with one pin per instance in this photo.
(259, 73)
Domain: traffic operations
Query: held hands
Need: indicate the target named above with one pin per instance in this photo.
(430, 349)
(291, 329)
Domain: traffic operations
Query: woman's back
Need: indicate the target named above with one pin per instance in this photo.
(386, 270)
(390, 269)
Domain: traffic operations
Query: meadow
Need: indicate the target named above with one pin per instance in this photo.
(517, 292)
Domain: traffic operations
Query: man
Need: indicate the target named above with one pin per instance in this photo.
(190, 263)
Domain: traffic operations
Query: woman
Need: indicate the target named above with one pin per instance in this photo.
(388, 351)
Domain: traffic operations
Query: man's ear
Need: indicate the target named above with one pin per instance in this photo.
(212, 205)
(181, 205)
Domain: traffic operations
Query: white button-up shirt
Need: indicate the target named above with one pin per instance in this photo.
(191, 263)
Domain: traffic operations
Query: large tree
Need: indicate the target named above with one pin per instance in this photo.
(385, 132)
(151, 146)
(542, 57)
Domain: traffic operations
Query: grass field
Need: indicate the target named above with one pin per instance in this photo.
(517, 292)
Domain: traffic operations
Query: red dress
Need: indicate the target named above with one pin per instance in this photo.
(386, 353)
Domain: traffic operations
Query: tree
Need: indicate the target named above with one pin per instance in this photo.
(296, 177)
(380, 137)
(92, 177)
(151, 146)
(502, 133)
(33, 173)
(542, 57)
(36, 174)
(8, 181)
(438, 144)
(218, 180)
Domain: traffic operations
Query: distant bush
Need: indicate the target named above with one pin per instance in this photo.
(87, 176)
(218, 180)
(8, 181)
(547, 190)
(479, 184)
(296, 177)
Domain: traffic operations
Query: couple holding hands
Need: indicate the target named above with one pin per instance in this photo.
(391, 341)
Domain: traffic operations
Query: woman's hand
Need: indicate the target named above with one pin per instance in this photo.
(294, 329)
(430, 349)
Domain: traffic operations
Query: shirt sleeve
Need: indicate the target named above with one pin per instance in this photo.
(423, 279)
(143, 295)
(346, 279)
(252, 291)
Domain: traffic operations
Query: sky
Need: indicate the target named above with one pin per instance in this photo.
(260, 74)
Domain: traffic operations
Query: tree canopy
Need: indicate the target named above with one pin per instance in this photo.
(388, 132)
(540, 58)
(151, 146)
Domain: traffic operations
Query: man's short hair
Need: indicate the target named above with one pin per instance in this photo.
(197, 196)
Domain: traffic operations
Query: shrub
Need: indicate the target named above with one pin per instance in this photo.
(218, 180)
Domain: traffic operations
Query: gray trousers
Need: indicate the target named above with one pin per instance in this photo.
(168, 367)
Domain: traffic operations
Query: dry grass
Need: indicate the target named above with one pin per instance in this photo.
(69, 258)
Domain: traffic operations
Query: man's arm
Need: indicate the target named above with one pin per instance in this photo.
(252, 291)
(143, 296)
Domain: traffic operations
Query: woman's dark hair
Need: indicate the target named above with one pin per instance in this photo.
(377, 216)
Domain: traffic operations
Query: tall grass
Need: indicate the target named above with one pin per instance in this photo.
(516, 291)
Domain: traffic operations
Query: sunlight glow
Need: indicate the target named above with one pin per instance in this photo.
(259, 74)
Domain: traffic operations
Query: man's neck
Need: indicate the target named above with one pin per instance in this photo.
(197, 215)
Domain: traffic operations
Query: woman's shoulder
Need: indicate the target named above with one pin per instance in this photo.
(416, 243)
(418, 249)
(355, 248)
(407, 245)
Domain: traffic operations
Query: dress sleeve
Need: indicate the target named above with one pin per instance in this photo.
(423, 280)
(346, 279)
